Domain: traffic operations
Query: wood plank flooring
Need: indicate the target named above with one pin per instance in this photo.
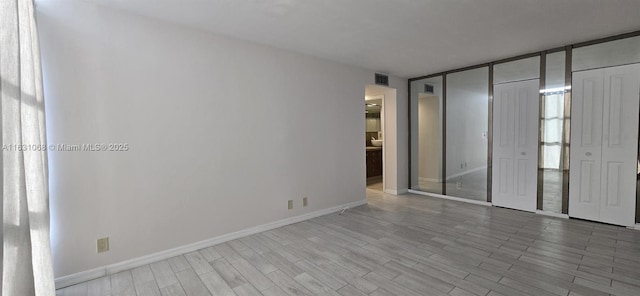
(401, 245)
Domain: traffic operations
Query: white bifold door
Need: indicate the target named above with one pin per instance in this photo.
(515, 144)
(604, 144)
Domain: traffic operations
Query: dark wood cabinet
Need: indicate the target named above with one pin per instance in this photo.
(374, 163)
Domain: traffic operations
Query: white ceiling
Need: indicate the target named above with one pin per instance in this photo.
(402, 37)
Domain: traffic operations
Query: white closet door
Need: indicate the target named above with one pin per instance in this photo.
(604, 144)
(586, 144)
(515, 144)
(620, 144)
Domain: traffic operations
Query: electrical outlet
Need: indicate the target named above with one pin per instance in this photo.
(290, 204)
(305, 201)
(103, 244)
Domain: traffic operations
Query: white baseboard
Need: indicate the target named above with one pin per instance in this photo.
(396, 191)
(551, 214)
(95, 273)
(477, 202)
(80, 277)
(635, 227)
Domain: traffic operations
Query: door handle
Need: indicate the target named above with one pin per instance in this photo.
(523, 153)
(588, 154)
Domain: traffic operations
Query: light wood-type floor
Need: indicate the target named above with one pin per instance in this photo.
(401, 245)
(375, 184)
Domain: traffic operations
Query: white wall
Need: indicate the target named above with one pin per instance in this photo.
(222, 133)
(395, 136)
(373, 124)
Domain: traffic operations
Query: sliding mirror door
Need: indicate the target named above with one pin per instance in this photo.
(426, 134)
(467, 127)
(552, 130)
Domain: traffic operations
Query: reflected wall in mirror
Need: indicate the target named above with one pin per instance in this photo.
(426, 134)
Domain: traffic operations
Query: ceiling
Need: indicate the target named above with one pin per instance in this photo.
(406, 38)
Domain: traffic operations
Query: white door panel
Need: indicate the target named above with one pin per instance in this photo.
(586, 144)
(515, 145)
(604, 144)
(620, 144)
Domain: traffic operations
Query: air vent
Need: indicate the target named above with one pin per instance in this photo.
(428, 88)
(382, 79)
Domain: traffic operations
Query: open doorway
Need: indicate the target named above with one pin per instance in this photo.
(375, 136)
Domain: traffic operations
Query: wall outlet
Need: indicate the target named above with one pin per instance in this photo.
(305, 201)
(102, 244)
(290, 204)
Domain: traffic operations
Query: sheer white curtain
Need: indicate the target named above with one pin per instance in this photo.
(553, 120)
(25, 250)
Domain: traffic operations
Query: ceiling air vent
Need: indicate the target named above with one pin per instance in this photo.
(382, 79)
(428, 88)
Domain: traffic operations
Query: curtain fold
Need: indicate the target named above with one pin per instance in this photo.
(25, 250)
(552, 137)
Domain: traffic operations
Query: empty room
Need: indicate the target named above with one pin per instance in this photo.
(320, 147)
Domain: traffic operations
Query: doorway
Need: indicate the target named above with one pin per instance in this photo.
(604, 144)
(388, 136)
(515, 144)
(375, 136)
